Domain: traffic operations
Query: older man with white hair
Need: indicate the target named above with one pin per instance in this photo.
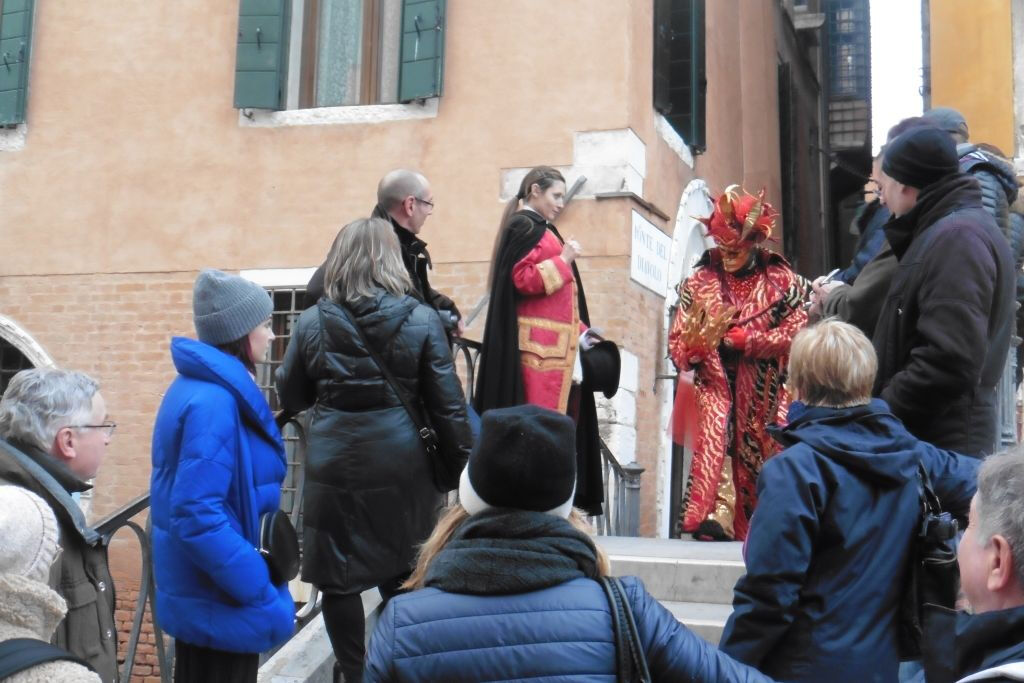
(54, 433)
(990, 642)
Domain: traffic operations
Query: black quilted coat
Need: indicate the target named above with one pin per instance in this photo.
(997, 179)
(369, 496)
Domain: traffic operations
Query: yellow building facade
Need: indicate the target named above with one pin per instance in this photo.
(973, 64)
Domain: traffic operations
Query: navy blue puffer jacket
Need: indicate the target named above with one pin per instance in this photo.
(829, 544)
(562, 633)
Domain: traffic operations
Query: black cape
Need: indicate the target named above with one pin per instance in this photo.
(499, 380)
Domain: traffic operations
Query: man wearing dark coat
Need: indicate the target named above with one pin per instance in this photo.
(944, 329)
(405, 199)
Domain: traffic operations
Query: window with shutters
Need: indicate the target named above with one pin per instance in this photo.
(301, 54)
(15, 44)
(680, 83)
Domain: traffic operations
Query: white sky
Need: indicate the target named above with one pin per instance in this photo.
(895, 65)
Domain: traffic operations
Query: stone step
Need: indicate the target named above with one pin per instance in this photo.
(705, 619)
(678, 571)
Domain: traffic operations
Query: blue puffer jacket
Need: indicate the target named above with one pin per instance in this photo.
(218, 464)
(562, 633)
(829, 543)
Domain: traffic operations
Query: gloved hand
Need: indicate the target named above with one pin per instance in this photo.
(736, 338)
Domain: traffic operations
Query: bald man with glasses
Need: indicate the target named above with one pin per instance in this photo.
(405, 199)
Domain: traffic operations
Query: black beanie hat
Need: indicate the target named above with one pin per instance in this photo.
(525, 458)
(920, 156)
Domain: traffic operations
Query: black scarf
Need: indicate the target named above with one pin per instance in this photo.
(499, 378)
(502, 551)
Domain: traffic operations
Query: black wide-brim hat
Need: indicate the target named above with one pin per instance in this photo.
(601, 368)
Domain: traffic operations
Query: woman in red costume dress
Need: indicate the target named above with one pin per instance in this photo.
(737, 315)
(536, 322)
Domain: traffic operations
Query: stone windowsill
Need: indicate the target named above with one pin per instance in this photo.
(328, 116)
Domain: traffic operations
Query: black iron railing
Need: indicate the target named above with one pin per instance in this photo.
(621, 497)
(107, 528)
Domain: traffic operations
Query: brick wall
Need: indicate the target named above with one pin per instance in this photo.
(146, 668)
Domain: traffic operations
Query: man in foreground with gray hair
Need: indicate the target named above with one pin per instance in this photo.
(990, 642)
(54, 433)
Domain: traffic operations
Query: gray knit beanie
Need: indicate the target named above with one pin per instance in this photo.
(29, 540)
(227, 307)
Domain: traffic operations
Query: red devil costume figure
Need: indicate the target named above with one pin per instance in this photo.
(737, 315)
(536, 323)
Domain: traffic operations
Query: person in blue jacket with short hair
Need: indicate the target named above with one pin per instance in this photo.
(829, 545)
(218, 464)
(506, 587)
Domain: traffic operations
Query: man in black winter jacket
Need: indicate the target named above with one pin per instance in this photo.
(405, 199)
(944, 329)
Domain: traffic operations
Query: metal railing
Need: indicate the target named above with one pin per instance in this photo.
(621, 497)
(469, 351)
(107, 528)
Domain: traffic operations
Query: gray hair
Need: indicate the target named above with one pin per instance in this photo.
(39, 402)
(999, 504)
(365, 257)
(396, 185)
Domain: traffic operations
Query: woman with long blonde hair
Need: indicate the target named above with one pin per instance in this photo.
(510, 584)
(372, 490)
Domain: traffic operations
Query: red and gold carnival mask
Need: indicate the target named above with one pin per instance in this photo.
(739, 223)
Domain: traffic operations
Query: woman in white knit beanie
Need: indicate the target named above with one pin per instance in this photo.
(29, 608)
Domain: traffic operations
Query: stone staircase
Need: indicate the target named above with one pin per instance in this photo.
(693, 580)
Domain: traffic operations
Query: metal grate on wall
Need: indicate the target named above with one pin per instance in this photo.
(288, 305)
(849, 42)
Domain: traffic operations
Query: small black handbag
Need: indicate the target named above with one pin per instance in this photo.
(279, 546)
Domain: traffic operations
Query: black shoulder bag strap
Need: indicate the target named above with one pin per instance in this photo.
(19, 654)
(427, 435)
(631, 662)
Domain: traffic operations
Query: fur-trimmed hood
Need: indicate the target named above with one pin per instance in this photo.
(30, 609)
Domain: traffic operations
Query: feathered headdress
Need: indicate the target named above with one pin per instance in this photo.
(740, 221)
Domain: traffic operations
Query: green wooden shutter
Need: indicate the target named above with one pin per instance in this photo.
(261, 65)
(663, 56)
(422, 57)
(15, 46)
(680, 80)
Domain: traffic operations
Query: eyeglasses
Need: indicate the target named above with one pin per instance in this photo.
(108, 427)
(424, 201)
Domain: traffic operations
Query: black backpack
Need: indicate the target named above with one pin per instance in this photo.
(19, 654)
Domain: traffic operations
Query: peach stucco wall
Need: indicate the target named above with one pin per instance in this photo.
(972, 66)
(134, 153)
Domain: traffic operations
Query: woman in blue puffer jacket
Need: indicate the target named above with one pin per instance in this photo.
(507, 579)
(218, 464)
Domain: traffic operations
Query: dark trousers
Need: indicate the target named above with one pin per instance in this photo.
(194, 664)
(346, 626)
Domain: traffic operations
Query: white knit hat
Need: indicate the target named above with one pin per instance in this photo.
(29, 539)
